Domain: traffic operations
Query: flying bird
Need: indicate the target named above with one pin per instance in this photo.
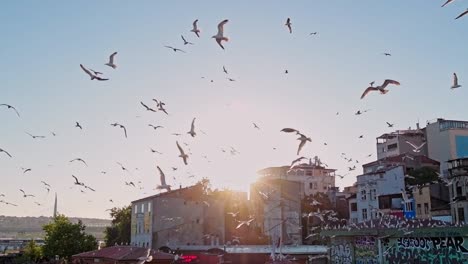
(192, 129)
(155, 127)
(77, 182)
(163, 181)
(6, 152)
(231, 80)
(224, 70)
(387, 54)
(95, 72)
(289, 130)
(303, 140)
(185, 41)
(26, 170)
(79, 159)
(26, 195)
(147, 258)
(45, 183)
(195, 28)
(389, 124)
(130, 183)
(219, 37)
(182, 153)
(288, 24)
(313, 33)
(255, 126)
(416, 148)
(380, 88)
(11, 107)
(296, 161)
(241, 223)
(122, 166)
(455, 82)
(78, 125)
(155, 151)
(147, 107)
(174, 49)
(34, 136)
(111, 61)
(121, 126)
(462, 14)
(446, 3)
(92, 76)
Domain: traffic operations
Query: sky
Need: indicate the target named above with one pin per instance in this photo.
(44, 42)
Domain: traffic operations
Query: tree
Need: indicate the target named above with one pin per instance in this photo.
(33, 251)
(422, 176)
(63, 238)
(120, 230)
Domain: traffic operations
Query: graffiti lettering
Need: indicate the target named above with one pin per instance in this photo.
(427, 243)
(341, 253)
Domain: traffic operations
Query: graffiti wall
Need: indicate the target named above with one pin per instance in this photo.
(453, 250)
(365, 250)
(342, 252)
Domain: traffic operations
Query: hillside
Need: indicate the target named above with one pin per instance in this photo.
(27, 227)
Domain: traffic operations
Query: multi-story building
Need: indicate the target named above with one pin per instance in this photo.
(447, 140)
(186, 216)
(458, 187)
(432, 202)
(353, 211)
(386, 182)
(409, 161)
(394, 144)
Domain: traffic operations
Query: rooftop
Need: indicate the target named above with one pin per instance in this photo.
(124, 253)
(401, 159)
(407, 132)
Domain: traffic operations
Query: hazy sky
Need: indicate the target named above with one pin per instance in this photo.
(43, 43)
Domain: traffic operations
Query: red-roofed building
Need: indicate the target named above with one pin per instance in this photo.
(121, 254)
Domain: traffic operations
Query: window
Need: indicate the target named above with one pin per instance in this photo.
(420, 191)
(364, 214)
(419, 209)
(142, 208)
(315, 186)
(363, 195)
(353, 207)
(426, 208)
(310, 185)
(459, 189)
(373, 194)
(392, 146)
(136, 209)
(461, 214)
(309, 173)
(149, 207)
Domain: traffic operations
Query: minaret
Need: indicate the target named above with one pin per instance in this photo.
(55, 206)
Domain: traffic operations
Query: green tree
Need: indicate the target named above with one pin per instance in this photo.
(32, 251)
(422, 176)
(63, 238)
(120, 230)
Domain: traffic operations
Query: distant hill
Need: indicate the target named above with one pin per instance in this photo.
(31, 227)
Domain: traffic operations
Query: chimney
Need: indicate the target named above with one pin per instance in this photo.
(417, 126)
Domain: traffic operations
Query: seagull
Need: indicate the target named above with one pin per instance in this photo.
(26, 170)
(174, 49)
(361, 136)
(462, 14)
(147, 108)
(313, 33)
(79, 159)
(121, 166)
(45, 183)
(185, 41)
(241, 223)
(78, 125)
(77, 182)
(26, 195)
(95, 72)
(111, 60)
(255, 126)
(231, 80)
(92, 76)
(234, 215)
(220, 35)
(379, 88)
(155, 127)
(455, 82)
(446, 3)
(6, 152)
(11, 107)
(288, 24)
(38, 204)
(121, 126)
(130, 183)
(303, 140)
(192, 129)
(296, 161)
(224, 70)
(155, 151)
(289, 130)
(286, 71)
(147, 258)
(34, 136)
(389, 124)
(163, 181)
(182, 153)
(416, 148)
(387, 54)
(195, 28)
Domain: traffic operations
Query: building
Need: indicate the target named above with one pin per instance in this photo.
(350, 190)
(121, 255)
(447, 140)
(458, 188)
(314, 176)
(187, 216)
(394, 144)
(432, 202)
(353, 211)
(409, 161)
(277, 208)
(375, 189)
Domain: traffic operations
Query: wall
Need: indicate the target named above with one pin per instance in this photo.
(141, 223)
(342, 251)
(438, 145)
(365, 250)
(426, 250)
(461, 143)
